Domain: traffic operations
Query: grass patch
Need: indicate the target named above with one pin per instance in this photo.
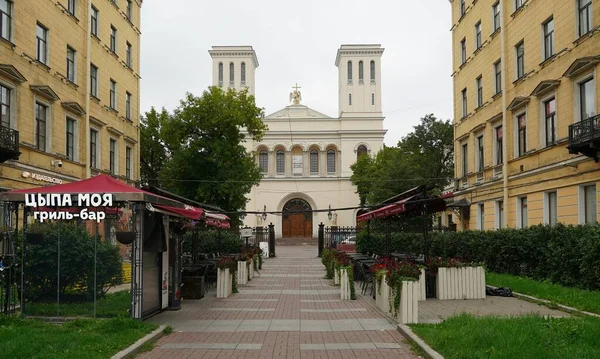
(84, 338)
(530, 337)
(577, 298)
(110, 306)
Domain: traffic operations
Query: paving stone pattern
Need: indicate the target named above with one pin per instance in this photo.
(288, 311)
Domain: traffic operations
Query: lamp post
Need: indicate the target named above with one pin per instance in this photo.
(329, 214)
(264, 215)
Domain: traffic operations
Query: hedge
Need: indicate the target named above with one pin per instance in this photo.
(566, 255)
(213, 241)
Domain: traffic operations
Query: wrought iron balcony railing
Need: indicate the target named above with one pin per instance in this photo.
(584, 137)
(9, 144)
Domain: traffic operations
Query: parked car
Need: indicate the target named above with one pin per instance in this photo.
(349, 240)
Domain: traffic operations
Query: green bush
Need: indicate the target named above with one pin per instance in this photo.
(213, 241)
(566, 255)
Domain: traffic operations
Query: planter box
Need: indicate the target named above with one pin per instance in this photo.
(224, 283)
(344, 285)
(460, 283)
(251, 270)
(422, 293)
(242, 273)
(336, 276)
(382, 295)
(408, 310)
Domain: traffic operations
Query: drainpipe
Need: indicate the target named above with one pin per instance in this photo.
(504, 118)
(88, 171)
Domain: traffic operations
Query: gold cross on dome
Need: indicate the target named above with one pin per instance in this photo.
(296, 87)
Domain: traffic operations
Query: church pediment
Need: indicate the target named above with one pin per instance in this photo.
(296, 112)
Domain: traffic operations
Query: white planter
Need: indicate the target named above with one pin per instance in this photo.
(265, 249)
(382, 295)
(224, 283)
(460, 283)
(344, 285)
(251, 270)
(408, 310)
(336, 276)
(242, 273)
(422, 294)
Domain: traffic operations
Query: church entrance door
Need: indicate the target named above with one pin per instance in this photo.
(297, 219)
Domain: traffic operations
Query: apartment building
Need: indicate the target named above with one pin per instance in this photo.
(70, 89)
(526, 94)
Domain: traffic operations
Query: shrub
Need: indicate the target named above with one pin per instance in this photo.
(213, 241)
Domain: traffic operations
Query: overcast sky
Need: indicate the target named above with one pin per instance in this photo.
(296, 41)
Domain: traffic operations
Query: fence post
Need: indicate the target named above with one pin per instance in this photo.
(271, 240)
(321, 238)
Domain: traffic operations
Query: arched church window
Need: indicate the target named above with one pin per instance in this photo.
(372, 72)
(361, 151)
(361, 71)
(280, 159)
(243, 74)
(349, 72)
(314, 161)
(231, 73)
(220, 73)
(263, 161)
(331, 161)
(350, 99)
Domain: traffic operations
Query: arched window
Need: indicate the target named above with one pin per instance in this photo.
(263, 161)
(314, 161)
(361, 151)
(361, 71)
(372, 71)
(220, 73)
(243, 75)
(350, 99)
(331, 161)
(231, 73)
(349, 72)
(280, 159)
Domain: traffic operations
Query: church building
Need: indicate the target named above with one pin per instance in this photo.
(305, 155)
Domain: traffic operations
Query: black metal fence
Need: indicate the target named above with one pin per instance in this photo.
(337, 235)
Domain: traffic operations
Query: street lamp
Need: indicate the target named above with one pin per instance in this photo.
(242, 216)
(329, 215)
(264, 215)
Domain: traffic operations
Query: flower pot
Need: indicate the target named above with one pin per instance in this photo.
(382, 294)
(242, 273)
(34, 238)
(125, 237)
(460, 283)
(407, 311)
(336, 276)
(344, 284)
(224, 283)
(422, 285)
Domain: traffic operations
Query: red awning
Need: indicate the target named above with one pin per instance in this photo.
(387, 211)
(193, 213)
(98, 184)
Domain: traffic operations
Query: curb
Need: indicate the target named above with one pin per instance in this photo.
(408, 334)
(548, 303)
(134, 348)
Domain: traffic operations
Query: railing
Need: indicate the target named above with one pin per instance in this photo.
(585, 130)
(335, 235)
(9, 143)
(260, 234)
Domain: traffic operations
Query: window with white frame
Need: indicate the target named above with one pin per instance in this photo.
(128, 162)
(518, 4)
(463, 51)
(331, 161)
(280, 162)
(551, 208)
(548, 28)
(94, 148)
(523, 219)
(478, 42)
(263, 161)
(94, 21)
(521, 134)
(372, 71)
(41, 126)
(6, 19)
(5, 106)
(588, 212)
(128, 105)
(496, 15)
(481, 216)
(41, 34)
(128, 56)
(349, 72)
(113, 94)
(220, 75)
(585, 16)
(499, 214)
(71, 69)
(550, 121)
(479, 84)
(465, 159)
(129, 9)
(243, 74)
(94, 80)
(113, 157)
(587, 98)
(498, 77)
(231, 74)
(71, 7)
(498, 145)
(314, 162)
(520, 59)
(70, 137)
(480, 152)
(113, 39)
(361, 72)
(464, 102)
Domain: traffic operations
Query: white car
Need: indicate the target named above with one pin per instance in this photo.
(349, 240)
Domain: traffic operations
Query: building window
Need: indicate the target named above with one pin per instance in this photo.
(585, 16)
(518, 4)
(372, 72)
(522, 134)
(331, 161)
(463, 51)
(128, 58)
(522, 212)
(41, 117)
(349, 72)
(280, 162)
(551, 208)
(496, 18)
(243, 74)
(94, 80)
(361, 74)
(128, 105)
(590, 200)
(93, 148)
(71, 64)
(128, 160)
(263, 161)
(462, 8)
(478, 35)
(94, 21)
(550, 121)
(481, 216)
(587, 103)
(113, 39)
(361, 151)
(297, 162)
(520, 59)
(480, 152)
(42, 44)
(113, 157)
(479, 84)
(464, 103)
(548, 39)
(499, 214)
(498, 76)
(498, 133)
(350, 99)
(314, 162)
(231, 73)
(70, 139)
(5, 106)
(6, 19)
(220, 74)
(465, 160)
(71, 6)
(129, 10)
(373, 99)
(113, 94)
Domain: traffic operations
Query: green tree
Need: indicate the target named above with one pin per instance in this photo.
(153, 154)
(362, 177)
(208, 161)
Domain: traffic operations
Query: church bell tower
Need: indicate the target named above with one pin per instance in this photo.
(234, 67)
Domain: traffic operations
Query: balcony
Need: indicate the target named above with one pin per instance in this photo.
(9, 144)
(584, 137)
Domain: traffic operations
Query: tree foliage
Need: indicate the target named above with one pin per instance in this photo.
(152, 151)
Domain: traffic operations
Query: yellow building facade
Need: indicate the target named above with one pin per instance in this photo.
(526, 96)
(70, 90)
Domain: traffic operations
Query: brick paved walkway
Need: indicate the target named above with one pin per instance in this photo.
(289, 311)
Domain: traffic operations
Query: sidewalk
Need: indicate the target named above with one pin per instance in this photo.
(289, 311)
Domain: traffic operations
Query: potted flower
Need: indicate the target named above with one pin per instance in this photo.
(35, 232)
(124, 233)
(403, 282)
(226, 277)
